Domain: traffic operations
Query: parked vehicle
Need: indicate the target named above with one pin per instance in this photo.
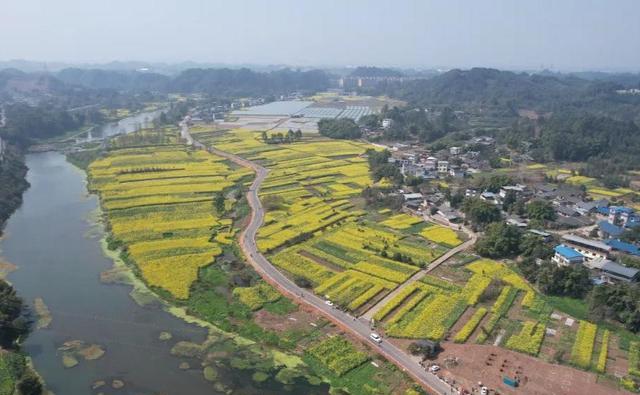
(375, 337)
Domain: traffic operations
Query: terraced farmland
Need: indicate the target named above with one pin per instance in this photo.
(312, 227)
(159, 201)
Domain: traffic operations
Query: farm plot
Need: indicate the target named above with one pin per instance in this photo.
(256, 296)
(158, 201)
(429, 308)
(529, 339)
(338, 355)
(312, 229)
(352, 288)
(441, 235)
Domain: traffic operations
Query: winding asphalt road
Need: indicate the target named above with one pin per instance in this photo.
(358, 327)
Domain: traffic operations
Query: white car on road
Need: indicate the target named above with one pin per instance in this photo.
(434, 368)
(328, 303)
(375, 337)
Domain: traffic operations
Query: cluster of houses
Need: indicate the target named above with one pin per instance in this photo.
(599, 255)
(454, 162)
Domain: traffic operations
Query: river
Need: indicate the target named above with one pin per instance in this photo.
(56, 245)
(125, 125)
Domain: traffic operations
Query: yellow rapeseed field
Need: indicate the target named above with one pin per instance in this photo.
(159, 204)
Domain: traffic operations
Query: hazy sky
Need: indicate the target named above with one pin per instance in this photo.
(558, 34)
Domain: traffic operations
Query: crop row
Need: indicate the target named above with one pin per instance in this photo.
(634, 359)
(298, 265)
(583, 346)
(470, 326)
(604, 350)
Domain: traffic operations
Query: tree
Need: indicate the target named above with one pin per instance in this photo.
(426, 348)
(302, 282)
(30, 384)
(541, 210)
(218, 202)
(494, 182)
(480, 212)
(499, 241)
(509, 200)
(533, 247)
(342, 128)
(14, 322)
(572, 281)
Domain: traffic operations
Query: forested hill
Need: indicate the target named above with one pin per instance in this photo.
(490, 87)
(219, 82)
(240, 82)
(115, 80)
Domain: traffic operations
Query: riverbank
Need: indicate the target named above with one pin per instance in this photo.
(12, 182)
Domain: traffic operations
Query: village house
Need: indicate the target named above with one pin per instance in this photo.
(590, 249)
(611, 272)
(566, 256)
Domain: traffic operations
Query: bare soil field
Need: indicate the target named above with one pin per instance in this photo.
(488, 364)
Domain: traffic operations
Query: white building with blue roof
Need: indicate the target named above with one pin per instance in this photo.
(566, 256)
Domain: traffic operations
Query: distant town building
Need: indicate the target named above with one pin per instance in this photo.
(443, 166)
(412, 197)
(386, 123)
(455, 150)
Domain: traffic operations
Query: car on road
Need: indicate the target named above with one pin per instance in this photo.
(484, 391)
(375, 337)
(434, 368)
(328, 303)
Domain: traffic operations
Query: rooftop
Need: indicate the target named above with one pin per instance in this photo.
(619, 270)
(567, 252)
(586, 242)
(610, 228)
(624, 247)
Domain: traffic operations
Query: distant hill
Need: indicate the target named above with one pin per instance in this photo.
(13, 81)
(119, 80)
(223, 82)
(366, 71)
(482, 87)
(239, 82)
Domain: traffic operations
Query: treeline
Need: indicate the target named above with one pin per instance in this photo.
(15, 324)
(509, 92)
(609, 146)
(12, 183)
(25, 122)
(281, 138)
(411, 123)
(222, 82)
